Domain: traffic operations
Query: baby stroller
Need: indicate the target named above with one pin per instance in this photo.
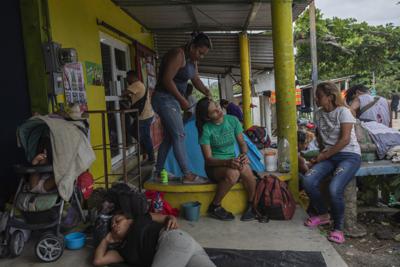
(38, 211)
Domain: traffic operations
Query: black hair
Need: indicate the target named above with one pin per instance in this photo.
(45, 143)
(130, 76)
(223, 102)
(189, 89)
(353, 90)
(200, 39)
(202, 114)
(301, 137)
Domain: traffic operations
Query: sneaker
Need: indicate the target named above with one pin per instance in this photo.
(220, 213)
(248, 215)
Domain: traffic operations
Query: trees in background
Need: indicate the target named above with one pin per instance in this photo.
(347, 47)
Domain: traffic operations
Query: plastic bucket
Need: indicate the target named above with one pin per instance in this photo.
(191, 210)
(75, 240)
(271, 161)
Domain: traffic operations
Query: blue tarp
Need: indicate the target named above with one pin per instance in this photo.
(196, 160)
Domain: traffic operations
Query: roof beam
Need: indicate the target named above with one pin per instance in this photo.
(252, 14)
(190, 11)
(128, 3)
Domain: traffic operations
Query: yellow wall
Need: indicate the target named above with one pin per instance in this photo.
(73, 24)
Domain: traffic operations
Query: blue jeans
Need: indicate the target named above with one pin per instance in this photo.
(342, 166)
(145, 137)
(169, 110)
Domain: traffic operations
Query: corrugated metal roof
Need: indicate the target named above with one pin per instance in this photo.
(204, 15)
(225, 52)
(171, 21)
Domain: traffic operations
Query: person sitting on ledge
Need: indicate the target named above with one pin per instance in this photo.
(218, 133)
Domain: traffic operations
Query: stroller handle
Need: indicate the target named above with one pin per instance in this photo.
(21, 169)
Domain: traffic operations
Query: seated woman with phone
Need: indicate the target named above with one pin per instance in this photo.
(218, 133)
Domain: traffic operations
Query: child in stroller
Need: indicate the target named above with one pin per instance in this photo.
(38, 199)
(42, 183)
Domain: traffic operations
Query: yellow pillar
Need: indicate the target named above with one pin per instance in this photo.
(282, 37)
(245, 73)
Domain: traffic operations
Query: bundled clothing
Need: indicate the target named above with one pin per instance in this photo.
(384, 137)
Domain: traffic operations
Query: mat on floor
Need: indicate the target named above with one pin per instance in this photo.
(264, 258)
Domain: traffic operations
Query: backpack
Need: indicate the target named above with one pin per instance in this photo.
(273, 199)
(127, 199)
(258, 135)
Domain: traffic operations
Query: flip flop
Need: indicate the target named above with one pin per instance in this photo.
(315, 221)
(336, 237)
(197, 180)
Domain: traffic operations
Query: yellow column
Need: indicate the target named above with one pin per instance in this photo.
(282, 37)
(245, 73)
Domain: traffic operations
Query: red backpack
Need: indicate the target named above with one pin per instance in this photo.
(273, 199)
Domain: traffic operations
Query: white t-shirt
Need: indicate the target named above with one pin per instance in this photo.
(328, 124)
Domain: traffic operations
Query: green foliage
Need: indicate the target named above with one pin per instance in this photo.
(214, 91)
(347, 47)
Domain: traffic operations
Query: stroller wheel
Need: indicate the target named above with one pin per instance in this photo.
(49, 248)
(3, 246)
(17, 242)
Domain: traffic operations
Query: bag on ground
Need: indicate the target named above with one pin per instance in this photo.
(273, 199)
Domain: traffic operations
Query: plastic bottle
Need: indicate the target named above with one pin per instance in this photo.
(158, 203)
(283, 155)
(164, 176)
(270, 160)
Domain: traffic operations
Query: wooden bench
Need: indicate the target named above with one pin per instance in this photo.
(376, 168)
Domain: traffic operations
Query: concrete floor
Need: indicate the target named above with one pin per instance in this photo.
(275, 235)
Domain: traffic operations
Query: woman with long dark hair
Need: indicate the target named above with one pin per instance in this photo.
(178, 66)
(218, 134)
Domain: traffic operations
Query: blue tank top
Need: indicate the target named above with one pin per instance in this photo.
(181, 78)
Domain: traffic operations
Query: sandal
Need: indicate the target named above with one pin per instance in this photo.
(336, 236)
(315, 221)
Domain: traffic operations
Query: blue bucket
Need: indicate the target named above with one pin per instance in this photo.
(75, 240)
(191, 210)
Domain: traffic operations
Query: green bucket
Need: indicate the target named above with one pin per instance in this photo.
(191, 210)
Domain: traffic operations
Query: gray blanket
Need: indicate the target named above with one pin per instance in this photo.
(383, 137)
(72, 153)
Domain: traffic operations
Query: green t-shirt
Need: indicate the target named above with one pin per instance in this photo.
(222, 137)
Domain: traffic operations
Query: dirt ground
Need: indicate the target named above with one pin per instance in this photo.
(370, 251)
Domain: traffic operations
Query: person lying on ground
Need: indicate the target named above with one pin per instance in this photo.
(218, 133)
(150, 240)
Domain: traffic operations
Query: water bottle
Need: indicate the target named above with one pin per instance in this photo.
(283, 155)
(164, 176)
(158, 203)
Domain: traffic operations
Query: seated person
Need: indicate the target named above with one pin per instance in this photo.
(42, 182)
(339, 158)
(150, 240)
(366, 107)
(302, 145)
(218, 133)
(232, 109)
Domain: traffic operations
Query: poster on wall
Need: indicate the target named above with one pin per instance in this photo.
(94, 73)
(74, 85)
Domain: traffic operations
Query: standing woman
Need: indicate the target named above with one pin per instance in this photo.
(340, 158)
(177, 67)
